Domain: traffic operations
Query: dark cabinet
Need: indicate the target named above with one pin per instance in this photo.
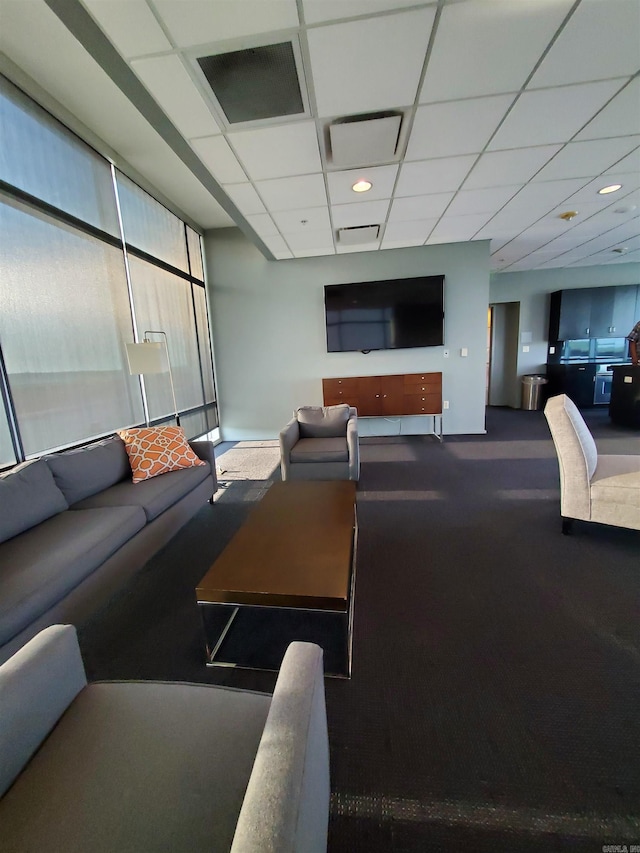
(624, 408)
(613, 311)
(577, 381)
(593, 312)
(570, 316)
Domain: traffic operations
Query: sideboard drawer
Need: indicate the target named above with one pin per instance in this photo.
(427, 404)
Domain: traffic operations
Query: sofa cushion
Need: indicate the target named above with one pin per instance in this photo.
(28, 495)
(156, 450)
(39, 567)
(615, 491)
(154, 496)
(323, 421)
(320, 450)
(88, 470)
(139, 766)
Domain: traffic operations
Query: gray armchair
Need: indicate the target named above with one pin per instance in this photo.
(321, 443)
(145, 765)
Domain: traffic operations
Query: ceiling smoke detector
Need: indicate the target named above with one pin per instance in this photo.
(620, 250)
(568, 215)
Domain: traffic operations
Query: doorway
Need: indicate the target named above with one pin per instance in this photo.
(502, 358)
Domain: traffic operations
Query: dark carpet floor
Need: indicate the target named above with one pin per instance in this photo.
(495, 697)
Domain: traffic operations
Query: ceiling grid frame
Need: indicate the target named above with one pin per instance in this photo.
(520, 239)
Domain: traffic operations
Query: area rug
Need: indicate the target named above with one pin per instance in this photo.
(493, 703)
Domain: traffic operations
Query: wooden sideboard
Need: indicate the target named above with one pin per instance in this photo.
(388, 396)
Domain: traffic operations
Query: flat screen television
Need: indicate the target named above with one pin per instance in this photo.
(391, 314)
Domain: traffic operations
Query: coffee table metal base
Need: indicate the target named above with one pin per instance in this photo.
(287, 574)
(252, 637)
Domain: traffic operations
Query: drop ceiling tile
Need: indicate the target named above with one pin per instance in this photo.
(217, 156)
(302, 220)
(628, 165)
(486, 200)
(419, 207)
(531, 203)
(312, 253)
(279, 248)
(616, 236)
(589, 191)
(355, 72)
(360, 213)
(569, 106)
(588, 212)
(278, 152)
(316, 11)
(130, 25)
(433, 176)
(400, 234)
(262, 224)
(517, 166)
(457, 229)
(600, 40)
(621, 117)
(197, 22)
(307, 240)
(469, 56)
(456, 127)
(245, 198)
(293, 193)
(174, 90)
(585, 159)
(361, 247)
(382, 179)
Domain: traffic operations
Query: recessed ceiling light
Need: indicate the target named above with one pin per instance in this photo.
(362, 186)
(611, 189)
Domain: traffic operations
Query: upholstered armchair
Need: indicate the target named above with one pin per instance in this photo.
(321, 443)
(593, 487)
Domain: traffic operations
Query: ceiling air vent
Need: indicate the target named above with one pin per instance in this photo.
(364, 140)
(256, 83)
(358, 234)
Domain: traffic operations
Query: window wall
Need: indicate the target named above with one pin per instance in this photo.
(88, 262)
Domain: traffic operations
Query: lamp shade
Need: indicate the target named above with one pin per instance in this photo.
(146, 358)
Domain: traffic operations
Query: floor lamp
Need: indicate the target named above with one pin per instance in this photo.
(147, 357)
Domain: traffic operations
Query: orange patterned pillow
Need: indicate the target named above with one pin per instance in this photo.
(156, 450)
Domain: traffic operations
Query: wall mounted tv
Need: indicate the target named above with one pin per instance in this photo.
(391, 314)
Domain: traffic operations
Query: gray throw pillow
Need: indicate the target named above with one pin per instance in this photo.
(323, 421)
(88, 470)
(28, 495)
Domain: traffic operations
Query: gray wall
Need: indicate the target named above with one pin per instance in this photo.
(531, 289)
(269, 333)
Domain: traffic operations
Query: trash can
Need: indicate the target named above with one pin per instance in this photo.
(532, 385)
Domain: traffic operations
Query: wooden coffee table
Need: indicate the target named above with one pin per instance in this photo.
(288, 574)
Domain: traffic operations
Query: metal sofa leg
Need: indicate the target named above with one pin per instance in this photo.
(567, 525)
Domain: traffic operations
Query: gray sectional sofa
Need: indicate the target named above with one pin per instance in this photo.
(73, 528)
(149, 766)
